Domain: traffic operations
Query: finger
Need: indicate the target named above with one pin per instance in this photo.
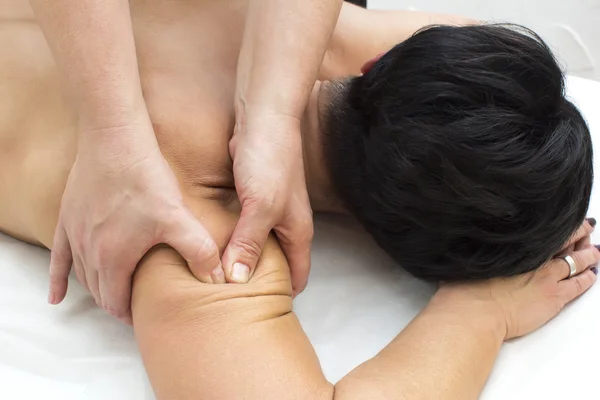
(245, 246)
(566, 251)
(195, 244)
(61, 261)
(114, 286)
(578, 285)
(583, 243)
(584, 230)
(583, 259)
(296, 244)
(586, 240)
(591, 221)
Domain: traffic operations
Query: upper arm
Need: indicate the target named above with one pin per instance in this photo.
(222, 341)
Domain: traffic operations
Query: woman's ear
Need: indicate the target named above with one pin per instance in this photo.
(369, 64)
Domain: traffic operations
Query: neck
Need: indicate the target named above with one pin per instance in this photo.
(318, 182)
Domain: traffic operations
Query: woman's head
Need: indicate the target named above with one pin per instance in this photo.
(460, 154)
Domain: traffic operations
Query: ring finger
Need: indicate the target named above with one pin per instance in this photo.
(582, 259)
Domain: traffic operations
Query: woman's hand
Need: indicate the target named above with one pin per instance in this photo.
(121, 199)
(281, 53)
(269, 178)
(525, 303)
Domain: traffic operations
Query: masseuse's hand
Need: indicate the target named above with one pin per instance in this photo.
(121, 199)
(269, 178)
(525, 303)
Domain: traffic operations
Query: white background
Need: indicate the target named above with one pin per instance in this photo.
(571, 27)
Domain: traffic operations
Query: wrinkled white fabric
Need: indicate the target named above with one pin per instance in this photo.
(356, 302)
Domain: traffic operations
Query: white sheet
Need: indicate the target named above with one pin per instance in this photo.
(354, 305)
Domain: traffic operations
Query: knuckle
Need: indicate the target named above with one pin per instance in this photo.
(118, 312)
(58, 276)
(307, 228)
(303, 229)
(578, 285)
(555, 266)
(306, 236)
(552, 291)
(577, 235)
(583, 258)
(57, 283)
(207, 251)
(249, 246)
(585, 282)
(59, 258)
(263, 205)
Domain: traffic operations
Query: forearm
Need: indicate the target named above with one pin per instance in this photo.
(93, 45)
(447, 353)
(283, 46)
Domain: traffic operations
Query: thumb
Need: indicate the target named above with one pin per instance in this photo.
(195, 244)
(245, 246)
(61, 261)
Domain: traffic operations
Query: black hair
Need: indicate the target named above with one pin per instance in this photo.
(460, 154)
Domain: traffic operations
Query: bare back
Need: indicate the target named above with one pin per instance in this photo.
(187, 55)
(187, 58)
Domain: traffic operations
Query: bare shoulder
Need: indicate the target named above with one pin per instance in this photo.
(361, 34)
(16, 10)
(163, 275)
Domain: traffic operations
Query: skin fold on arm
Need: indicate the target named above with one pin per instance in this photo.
(245, 342)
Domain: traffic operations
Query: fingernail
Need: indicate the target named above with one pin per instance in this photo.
(217, 275)
(51, 297)
(592, 222)
(594, 270)
(240, 273)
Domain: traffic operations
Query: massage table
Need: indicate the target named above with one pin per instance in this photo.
(355, 303)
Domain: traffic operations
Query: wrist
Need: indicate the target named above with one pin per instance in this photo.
(258, 120)
(128, 136)
(257, 110)
(114, 121)
(479, 314)
(112, 110)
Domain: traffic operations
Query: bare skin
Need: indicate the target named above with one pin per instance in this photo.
(187, 54)
(244, 341)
